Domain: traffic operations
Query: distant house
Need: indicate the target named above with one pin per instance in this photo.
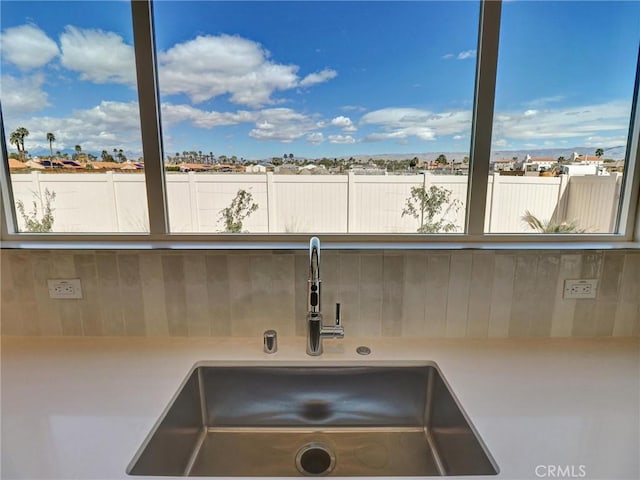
(313, 170)
(287, 169)
(537, 164)
(369, 169)
(34, 165)
(51, 163)
(71, 165)
(225, 168)
(16, 164)
(194, 167)
(504, 164)
(586, 159)
(255, 169)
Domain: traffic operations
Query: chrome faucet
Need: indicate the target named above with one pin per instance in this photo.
(316, 331)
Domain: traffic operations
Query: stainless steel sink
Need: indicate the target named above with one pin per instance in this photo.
(279, 421)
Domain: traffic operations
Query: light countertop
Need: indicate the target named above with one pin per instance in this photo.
(79, 408)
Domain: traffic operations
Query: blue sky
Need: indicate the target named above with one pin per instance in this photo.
(316, 79)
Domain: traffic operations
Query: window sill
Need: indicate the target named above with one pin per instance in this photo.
(245, 242)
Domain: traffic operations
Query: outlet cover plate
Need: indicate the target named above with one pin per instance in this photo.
(581, 288)
(65, 288)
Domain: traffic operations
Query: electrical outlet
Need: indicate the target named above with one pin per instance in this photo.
(582, 288)
(65, 288)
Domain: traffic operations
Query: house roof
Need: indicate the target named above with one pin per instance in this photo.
(588, 158)
(16, 164)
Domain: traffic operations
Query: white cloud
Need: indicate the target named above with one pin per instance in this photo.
(98, 56)
(172, 114)
(315, 138)
(567, 122)
(460, 56)
(466, 54)
(402, 123)
(501, 142)
(530, 113)
(21, 96)
(353, 108)
(540, 102)
(601, 141)
(276, 124)
(281, 124)
(106, 126)
(27, 47)
(318, 77)
(458, 137)
(210, 66)
(343, 139)
(345, 123)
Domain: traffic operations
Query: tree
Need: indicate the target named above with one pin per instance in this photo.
(14, 139)
(550, 226)
(51, 138)
(427, 205)
(241, 208)
(31, 220)
(23, 132)
(599, 152)
(77, 149)
(442, 159)
(17, 138)
(106, 156)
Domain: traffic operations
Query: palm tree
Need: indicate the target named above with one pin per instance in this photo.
(23, 133)
(14, 139)
(17, 138)
(76, 155)
(51, 138)
(599, 153)
(550, 226)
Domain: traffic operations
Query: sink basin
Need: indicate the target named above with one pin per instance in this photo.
(398, 419)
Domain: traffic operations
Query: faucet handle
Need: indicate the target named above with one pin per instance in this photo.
(338, 316)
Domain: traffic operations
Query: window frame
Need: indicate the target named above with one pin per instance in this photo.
(159, 235)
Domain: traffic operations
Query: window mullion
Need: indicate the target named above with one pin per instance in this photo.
(149, 103)
(8, 219)
(628, 220)
(482, 127)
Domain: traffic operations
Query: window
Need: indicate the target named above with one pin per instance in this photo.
(563, 102)
(324, 113)
(71, 120)
(465, 121)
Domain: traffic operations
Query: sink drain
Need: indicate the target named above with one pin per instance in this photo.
(315, 459)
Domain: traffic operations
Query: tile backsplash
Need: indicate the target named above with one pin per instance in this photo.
(439, 293)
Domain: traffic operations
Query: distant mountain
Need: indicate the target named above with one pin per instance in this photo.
(613, 153)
